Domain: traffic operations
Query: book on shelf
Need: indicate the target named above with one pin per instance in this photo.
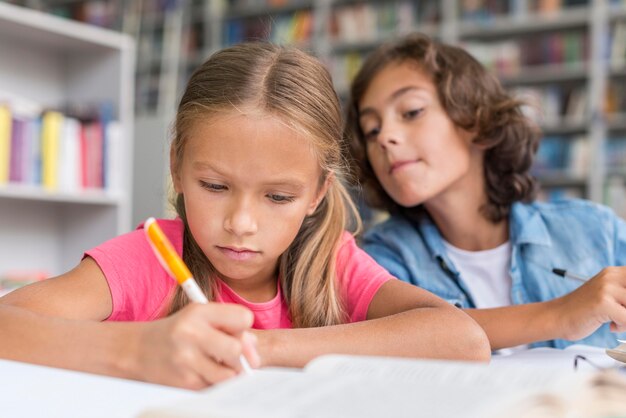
(555, 194)
(615, 194)
(615, 155)
(567, 156)
(618, 45)
(482, 11)
(353, 386)
(67, 151)
(51, 133)
(5, 143)
(615, 99)
(511, 57)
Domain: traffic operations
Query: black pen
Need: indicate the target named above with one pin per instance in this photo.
(568, 275)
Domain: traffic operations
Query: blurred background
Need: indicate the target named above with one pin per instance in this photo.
(566, 58)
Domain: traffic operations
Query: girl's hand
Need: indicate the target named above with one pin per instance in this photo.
(196, 347)
(601, 299)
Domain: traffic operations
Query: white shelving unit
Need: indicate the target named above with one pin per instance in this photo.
(443, 20)
(54, 61)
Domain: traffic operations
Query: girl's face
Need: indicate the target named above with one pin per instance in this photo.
(414, 148)
(248, 182)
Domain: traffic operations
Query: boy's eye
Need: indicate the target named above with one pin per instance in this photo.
(213, 186)
(279, 198)
(412, 113)
(371, 134)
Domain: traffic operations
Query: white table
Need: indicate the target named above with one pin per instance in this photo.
(29, 391)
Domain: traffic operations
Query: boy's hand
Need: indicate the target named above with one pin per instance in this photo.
(601, 299)
(196, 347)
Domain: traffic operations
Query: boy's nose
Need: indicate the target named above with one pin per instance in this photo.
(389, 135)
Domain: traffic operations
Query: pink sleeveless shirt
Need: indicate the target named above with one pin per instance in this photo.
(141, 289)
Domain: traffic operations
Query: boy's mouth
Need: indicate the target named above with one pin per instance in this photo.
(397, 165)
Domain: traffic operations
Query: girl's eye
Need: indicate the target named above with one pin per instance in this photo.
(279, 198)
(411, 114)
(212, 186)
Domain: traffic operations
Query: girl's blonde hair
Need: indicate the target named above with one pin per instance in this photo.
(289, 84)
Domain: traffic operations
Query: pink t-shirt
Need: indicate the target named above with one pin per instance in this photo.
(141, 289)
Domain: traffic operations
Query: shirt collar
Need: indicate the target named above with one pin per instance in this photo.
(527, 225)
(430, 233)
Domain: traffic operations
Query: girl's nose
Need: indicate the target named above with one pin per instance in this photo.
(241, 219)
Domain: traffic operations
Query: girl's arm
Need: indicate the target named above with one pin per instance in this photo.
(57, 322)
(571, 317)
(403, 320)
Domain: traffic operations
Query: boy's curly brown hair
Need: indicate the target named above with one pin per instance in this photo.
(475, 101)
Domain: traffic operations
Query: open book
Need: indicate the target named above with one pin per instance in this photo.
(352, 386)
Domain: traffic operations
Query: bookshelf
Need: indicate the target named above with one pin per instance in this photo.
(55, 62)
(551, 53)
(566, 57)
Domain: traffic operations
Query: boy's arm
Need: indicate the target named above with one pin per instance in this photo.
(403, 320)
(57, 323)
(572, 317)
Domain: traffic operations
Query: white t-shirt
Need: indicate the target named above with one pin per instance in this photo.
(486, 274)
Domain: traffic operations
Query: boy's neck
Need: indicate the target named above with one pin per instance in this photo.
(460, 221)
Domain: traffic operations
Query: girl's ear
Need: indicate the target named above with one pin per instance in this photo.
(320, 194)
(174, 171)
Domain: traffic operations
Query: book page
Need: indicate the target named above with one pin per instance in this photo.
(555, 358)
(346, 386)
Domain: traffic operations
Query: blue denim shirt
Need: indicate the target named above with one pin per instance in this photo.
(579, 236)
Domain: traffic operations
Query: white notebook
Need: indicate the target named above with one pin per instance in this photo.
(363, 387)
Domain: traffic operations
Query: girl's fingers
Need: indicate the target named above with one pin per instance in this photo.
(249, 341)
(210, 371)
(229, 317)
(223, 348)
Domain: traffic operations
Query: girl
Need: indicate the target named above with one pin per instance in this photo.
(438, 143)
(256, 164)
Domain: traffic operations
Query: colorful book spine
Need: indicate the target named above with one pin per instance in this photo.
(17, 149)
(52, 125)
(5, 143)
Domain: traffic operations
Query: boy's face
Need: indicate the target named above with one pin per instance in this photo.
(248, 182)
(415, 150)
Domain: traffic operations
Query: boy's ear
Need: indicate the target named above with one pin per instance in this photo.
(470, 138)
(174, 171)
(320, 194)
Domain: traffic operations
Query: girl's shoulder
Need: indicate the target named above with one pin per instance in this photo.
(135, 241)
(139, 286)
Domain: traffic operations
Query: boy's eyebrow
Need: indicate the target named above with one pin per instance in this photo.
(393, 97)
